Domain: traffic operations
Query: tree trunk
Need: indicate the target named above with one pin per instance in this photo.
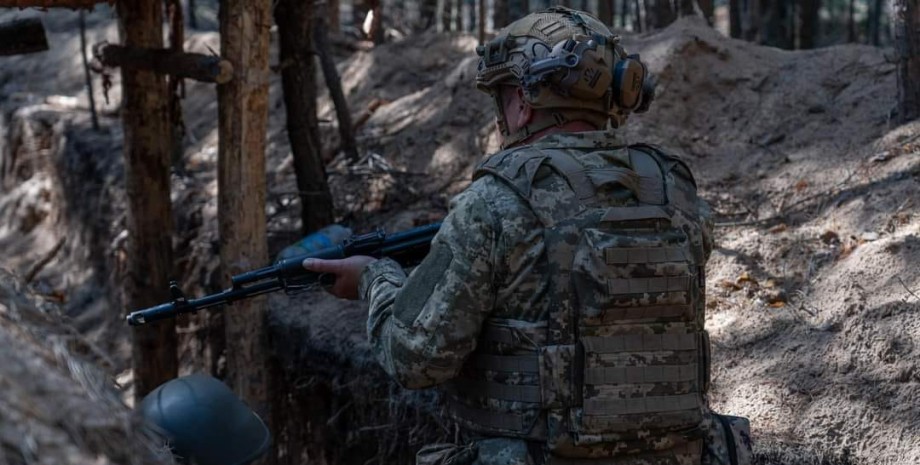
(639, 19)
(500, 14)
(242, 119)
(751, 20)
(334, 9)
(851, 22)
(707, 7)
(808, 23)
(776, 33)
(294, 18)
(192, 16)
(875, 22)
(905, 20)
(89, 80)
(605, 11)
(660, 14)
(334, 83)
(686, 8)
(145, 112)
(376, 33)
(624, 13)
(429, 13)
(734, 18)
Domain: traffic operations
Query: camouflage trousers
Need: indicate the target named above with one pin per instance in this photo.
(728, 442)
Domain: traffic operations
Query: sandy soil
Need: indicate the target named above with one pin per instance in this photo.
(813, 290)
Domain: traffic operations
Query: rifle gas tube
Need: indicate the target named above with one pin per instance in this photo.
(406, 247)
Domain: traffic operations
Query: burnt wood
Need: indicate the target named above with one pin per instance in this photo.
(197, 66)
(22, 36)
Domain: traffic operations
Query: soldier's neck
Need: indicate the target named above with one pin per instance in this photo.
(571, 126)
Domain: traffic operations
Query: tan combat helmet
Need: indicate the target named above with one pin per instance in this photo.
(567, 62)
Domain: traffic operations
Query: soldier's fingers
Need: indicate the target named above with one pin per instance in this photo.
(317, 265)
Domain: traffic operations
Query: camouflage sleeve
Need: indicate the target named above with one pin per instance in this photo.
(708, 227)
(422, 327)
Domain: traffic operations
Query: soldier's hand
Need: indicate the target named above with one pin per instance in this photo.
(347, 273)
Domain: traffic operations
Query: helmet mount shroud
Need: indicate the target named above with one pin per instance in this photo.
(567, 63)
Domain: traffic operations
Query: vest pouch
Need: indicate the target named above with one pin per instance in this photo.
(729, 441)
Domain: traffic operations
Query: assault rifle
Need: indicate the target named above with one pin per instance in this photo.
(406, 247)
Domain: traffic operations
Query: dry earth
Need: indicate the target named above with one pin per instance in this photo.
(814, 288)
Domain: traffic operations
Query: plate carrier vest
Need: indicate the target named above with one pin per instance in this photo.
(620, 367)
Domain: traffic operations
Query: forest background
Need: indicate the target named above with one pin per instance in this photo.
(809, 158)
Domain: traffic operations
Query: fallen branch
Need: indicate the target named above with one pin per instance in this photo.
(908, 289)
(22, 36)
(44, 261)
(197, 66)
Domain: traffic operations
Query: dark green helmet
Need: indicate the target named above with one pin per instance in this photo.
(205, 422)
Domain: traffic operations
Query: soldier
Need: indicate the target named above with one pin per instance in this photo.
(561, 305)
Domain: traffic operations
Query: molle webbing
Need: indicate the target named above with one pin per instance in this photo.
(640, 343)
(621, 354)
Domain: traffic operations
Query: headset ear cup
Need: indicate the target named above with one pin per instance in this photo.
(648, 92)
(628, 79)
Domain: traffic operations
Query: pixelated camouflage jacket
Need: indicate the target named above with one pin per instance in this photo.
(423, 326)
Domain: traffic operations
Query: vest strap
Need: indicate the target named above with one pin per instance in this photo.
(628, 255)
(640, 342)
(651, 182)
(491, 419)
(641, 375)
(656, 404)
(620, 286)
(509, 363)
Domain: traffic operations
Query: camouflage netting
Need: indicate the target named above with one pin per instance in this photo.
(57, 406)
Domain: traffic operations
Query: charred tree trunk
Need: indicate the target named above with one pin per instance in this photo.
(176, 83)
(500, 14)
(808, 23)
(22, 36)
(686, 7)
(294, 18)
(659, 13)
(875, 22)
(334, 9)
(708, 9)
(429, 13)
(851, 22)
(334, 83)
(734, 18)
(89, 80)
(905, 19)
(776, 32)
(624, 13)
(639, 18)
(605, 11)
(375, 32)
(242, 120)
(751, 14)
(192, 16)
(145, 111)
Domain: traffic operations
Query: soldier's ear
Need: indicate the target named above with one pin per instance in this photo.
(524, 111)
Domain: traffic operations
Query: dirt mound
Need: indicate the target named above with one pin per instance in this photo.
(57, 406)
(813, 287)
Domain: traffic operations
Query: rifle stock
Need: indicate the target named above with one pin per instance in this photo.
(406, 247)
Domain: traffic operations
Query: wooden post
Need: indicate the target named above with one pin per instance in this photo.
(294, 19)
(905, 21)
(197, 66)
(51, 3)
(242, 119)
(145, 111)
(22, 36)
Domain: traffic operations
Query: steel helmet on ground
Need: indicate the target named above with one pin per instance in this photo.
(205, 422)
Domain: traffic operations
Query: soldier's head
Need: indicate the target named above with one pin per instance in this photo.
(559, 66)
